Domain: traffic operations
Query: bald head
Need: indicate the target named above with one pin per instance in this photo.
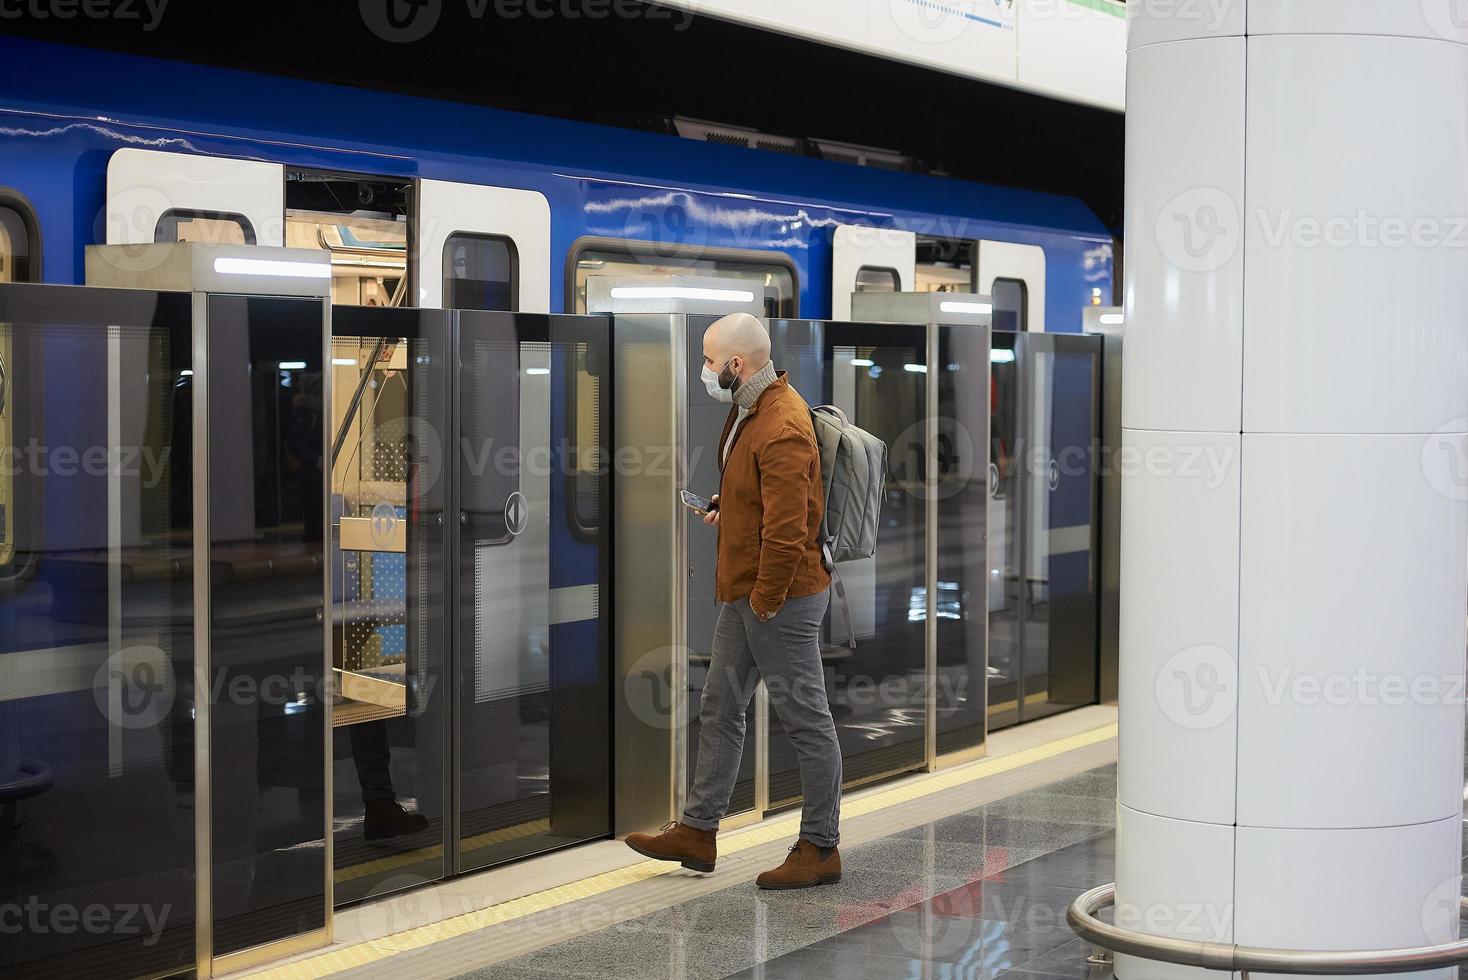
(740, 338)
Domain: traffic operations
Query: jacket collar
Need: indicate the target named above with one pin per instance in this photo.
(779, 382)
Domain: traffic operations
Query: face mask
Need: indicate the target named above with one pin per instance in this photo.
(720, 386)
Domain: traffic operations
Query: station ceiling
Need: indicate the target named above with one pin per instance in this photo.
(591, 60)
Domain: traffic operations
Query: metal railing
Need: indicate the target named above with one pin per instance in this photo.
(1251, 959)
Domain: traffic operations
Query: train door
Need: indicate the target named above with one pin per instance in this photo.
(156, 196)
(865, 259)
(482, 248)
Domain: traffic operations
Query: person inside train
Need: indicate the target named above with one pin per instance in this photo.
(772, 591)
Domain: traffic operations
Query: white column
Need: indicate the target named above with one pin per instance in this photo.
(1295, 506)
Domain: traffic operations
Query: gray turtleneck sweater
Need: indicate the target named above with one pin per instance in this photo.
(744, 398)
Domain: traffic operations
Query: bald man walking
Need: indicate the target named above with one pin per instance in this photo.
(773, 593)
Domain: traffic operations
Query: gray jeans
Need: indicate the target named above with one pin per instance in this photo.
(786, 653)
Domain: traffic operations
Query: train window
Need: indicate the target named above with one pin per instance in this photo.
(363, 223)
(772, 274)
(1011, 304)
(15, 246)
(213, 227)
(945, 265)
(480, 272)
(878, 279)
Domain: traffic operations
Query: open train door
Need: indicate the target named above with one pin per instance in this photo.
(155, 196)
(866, 259)
(1014, 275)
(482, 248)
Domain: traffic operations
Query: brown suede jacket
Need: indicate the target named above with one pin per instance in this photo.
(770, 504)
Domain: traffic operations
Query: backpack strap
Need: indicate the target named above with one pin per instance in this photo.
(838, 587)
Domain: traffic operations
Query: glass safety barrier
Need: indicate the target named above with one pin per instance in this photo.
(1044, 537)
(531, 431)
(267, 701)
(96, 633)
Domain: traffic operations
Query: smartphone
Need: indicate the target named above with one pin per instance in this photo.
(699, 505)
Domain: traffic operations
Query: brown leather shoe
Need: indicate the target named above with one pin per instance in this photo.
(804, 868)
(696, 850)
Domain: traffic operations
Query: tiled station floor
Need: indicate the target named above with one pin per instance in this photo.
(978, 895)
(975, 886)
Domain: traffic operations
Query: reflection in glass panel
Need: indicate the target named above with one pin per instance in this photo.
(963, 505)
(870, 279)
(1011, 305)
(15, 247)
(267, 523)
(1005, 583)
(534, 710)
(388, 602)
(774, 280)
(706, 419)
(1060, 615)
(96, 642)
(877, 375)
(479, 273)
(213, 228)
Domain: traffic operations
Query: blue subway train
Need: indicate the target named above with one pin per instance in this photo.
(421, 205)
(253, 158)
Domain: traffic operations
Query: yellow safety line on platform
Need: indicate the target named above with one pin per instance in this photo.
(337, 960)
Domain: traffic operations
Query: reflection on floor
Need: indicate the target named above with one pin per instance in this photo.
(977, 895)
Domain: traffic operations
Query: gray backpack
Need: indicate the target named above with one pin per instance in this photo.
(854, 478)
